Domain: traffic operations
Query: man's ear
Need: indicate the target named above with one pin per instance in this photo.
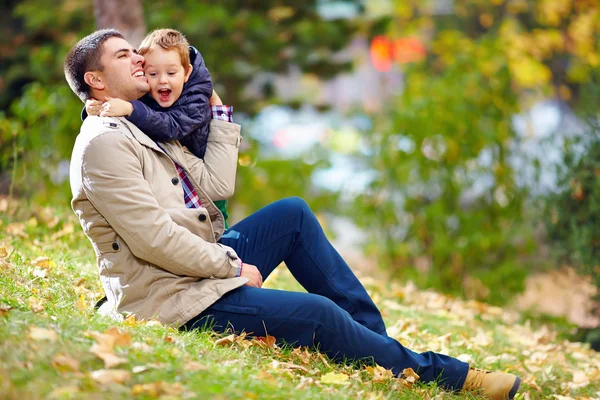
(94, 80)
(188, 73)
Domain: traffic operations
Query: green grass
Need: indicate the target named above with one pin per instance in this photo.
(58, 293)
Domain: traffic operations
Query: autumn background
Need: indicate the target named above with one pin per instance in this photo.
(450, 148)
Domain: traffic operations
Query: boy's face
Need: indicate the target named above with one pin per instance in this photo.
(166, 75)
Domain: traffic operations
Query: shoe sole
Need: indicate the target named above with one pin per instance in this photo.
(515, 388)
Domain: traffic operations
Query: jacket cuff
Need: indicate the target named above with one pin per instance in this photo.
(225, 132)
(139, 114)
(232, 267)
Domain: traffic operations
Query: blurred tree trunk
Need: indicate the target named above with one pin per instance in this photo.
(124, 15)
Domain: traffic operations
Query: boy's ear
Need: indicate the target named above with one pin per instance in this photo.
(94, 80)
(188, 73)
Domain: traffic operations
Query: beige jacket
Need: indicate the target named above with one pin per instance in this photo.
(157, 258)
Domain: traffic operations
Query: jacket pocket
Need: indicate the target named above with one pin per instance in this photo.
(232, 308)
(195, 220)
(109, 247)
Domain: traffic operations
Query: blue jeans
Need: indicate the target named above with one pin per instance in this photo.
(336, 315)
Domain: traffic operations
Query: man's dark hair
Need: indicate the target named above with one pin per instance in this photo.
(85, 56)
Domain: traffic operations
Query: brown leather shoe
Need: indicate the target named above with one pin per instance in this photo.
(493, 385)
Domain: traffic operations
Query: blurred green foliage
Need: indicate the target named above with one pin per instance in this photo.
(444, 208)
(572, 214)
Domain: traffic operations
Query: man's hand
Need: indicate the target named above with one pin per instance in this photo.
(114, 107)
(253, 274)
(215, 100)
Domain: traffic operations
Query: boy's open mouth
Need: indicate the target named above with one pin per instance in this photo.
(164, 94)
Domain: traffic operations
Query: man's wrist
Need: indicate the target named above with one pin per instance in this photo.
(241, 269)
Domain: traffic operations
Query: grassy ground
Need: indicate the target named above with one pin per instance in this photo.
(53, 346)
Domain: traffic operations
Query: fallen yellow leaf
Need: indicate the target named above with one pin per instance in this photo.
(226, 341)
(138, 369)
(64, 392)
(4, 309)
(106, 354)
(42, 262)
(334, 378)
(63, 363)
(107, 376)
(36, 333)
(288, 366)
(379, 373)
(36, 305)
(157, 389)
(410, 376)
(195, 366)
(265, 341)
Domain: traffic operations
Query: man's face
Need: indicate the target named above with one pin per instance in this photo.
(123, 70)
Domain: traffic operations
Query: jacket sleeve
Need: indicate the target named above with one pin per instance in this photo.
(216, 173)
(113, 181)
(174, 123)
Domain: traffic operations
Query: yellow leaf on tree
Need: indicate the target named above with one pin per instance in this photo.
(529, 73)
(334, 378)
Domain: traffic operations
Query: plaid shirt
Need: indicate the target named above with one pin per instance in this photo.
(224, 113)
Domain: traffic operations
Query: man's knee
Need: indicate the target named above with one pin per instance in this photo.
(295, 203)
(323, 310)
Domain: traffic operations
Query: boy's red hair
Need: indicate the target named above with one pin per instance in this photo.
(168, 39)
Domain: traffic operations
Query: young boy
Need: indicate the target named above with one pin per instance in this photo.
(177, 106)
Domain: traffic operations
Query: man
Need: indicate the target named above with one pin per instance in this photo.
(162, 252)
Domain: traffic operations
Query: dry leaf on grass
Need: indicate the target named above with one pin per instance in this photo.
(17, 229)
(104, 348)
(170, 339)
(36, 333)
(265, 341)
(107, 376)
(42, 262)
(233, 338)
(111, 337)
(157, 389)
(195, 366)
(304, 355)
(36, 305)
(334, 378)
(107, 355)
(379, 373)
(4, 309)
(63, 363)
(138, 369)
(64, 392)
(40, 273)
(409, 375)
(286, 366)
(305, 382)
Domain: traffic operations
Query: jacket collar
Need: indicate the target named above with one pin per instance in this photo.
(140, 136)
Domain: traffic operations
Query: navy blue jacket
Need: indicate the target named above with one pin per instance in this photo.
(188, 119)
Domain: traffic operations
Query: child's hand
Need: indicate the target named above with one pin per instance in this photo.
(93, 107)
(114, 107)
